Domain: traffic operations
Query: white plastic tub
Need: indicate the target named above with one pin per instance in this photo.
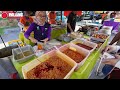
(80, 50)
(85, 42)
(46, 56)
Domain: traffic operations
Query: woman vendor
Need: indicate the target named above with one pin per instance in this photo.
(41, 28)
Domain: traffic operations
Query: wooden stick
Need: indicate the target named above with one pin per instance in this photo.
(20, 49)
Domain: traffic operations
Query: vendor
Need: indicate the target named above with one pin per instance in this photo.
(113, 61)
(117, 15)
(104, 16)
(52, 17)
(71, 22)
(26, 20)
(113, 14)
(41, 28)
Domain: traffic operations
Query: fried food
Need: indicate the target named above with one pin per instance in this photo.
(101, 36)
(84, 46)
(53, 68)
(77, 57)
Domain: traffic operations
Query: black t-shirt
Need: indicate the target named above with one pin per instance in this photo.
(72, 21)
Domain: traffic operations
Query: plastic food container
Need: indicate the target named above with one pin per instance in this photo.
(85, 42)
(99, 39)
(46, 56)
(75, 35)
(80, 50)
(17, 51)
(106, 29)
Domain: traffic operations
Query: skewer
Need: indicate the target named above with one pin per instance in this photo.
(20, 49)
(101, 58)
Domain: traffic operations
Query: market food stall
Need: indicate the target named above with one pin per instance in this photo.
(79, 70)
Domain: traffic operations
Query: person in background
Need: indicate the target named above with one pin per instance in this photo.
(71, 22)
(41, 28)
(113, 14)
(104, 16)
(91, 15)
(52, 17)
(26, 20)
(117, 16)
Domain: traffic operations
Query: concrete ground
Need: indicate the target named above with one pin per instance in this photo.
(6, 67)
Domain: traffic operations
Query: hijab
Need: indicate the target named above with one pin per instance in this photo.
(40, 17)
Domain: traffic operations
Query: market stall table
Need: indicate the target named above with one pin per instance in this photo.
(82, 73)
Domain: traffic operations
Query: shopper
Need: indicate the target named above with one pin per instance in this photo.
(26, 20)
(52, 17)
(104, 16)
(113, 61)
(116, 39)
(91, 15)
(71, 22)
(41, 28)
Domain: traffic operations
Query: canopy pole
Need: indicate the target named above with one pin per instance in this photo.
(2, 40)
(61, 15)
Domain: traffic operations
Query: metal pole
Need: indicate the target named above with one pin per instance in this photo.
(2, 40)
(61, 15)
